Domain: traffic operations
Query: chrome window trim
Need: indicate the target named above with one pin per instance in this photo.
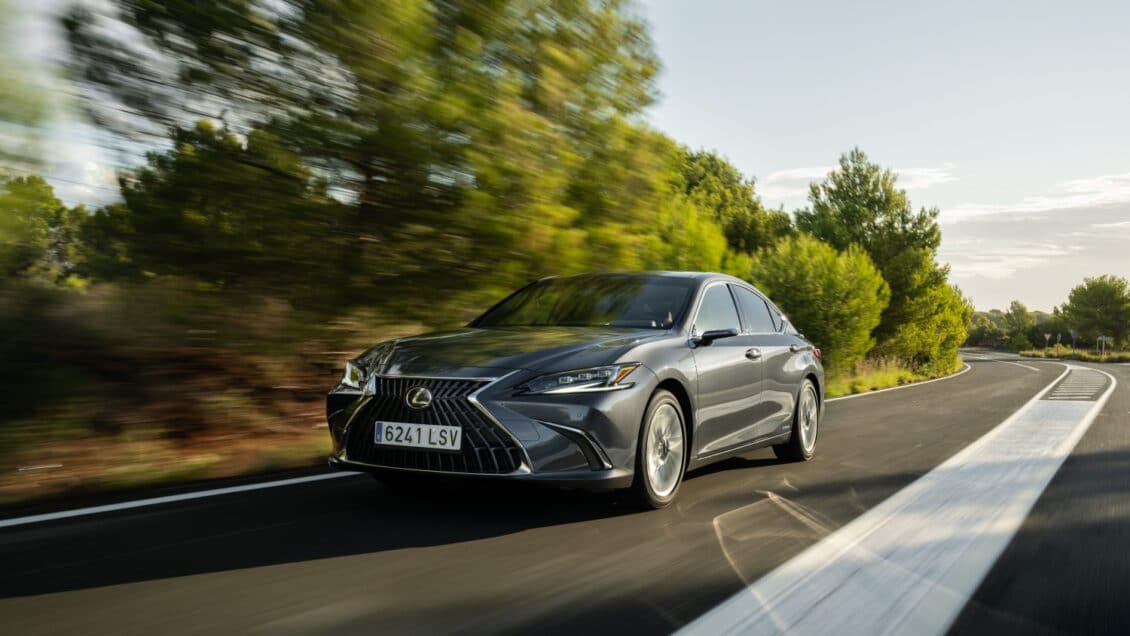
(768, 306)
(525, 468)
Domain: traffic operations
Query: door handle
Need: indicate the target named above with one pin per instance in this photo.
(795, 348)
(753, 354)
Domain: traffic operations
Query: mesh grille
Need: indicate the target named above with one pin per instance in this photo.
(485, 448)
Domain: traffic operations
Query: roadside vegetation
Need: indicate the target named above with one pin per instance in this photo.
(303, 194)
(874, 374)
(1061, 352)
(1093, 325)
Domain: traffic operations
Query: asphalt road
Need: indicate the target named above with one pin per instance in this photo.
(348, 556)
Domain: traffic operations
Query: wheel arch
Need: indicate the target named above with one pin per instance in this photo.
(677, 389)
(810, 375)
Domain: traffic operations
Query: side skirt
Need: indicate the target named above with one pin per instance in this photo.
(717, 456)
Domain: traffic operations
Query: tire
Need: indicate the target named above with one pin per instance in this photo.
(661, 452)
(806, 426)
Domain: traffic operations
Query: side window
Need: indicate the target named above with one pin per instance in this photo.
(717, 310)
(776, 316)
(755, 311)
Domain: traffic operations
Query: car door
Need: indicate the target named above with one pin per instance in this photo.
(729, 375)
(780, 376)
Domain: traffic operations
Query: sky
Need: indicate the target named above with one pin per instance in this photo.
(1012, 118)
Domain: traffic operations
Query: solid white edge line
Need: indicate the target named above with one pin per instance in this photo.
(726, 616)
(153, 501)
(964, 369)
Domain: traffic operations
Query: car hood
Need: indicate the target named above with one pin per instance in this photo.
(482, 352)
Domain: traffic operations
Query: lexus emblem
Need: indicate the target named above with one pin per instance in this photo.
(418, 398)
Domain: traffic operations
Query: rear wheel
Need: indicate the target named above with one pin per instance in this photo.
(661, 452)
(806, 423)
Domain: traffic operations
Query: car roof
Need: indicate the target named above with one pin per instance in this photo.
(698, 276)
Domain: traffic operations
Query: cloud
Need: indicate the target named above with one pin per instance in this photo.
(1115, 225)
(1000, 260)
(793, 182)
(922, 178)
(1091, 192)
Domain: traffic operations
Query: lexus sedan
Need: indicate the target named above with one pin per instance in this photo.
(600, 381)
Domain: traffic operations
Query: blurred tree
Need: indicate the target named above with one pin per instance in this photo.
(39, 235)
(984, 332)
(835, 298)
(715, 184)
(859, 204)
(1100, 306)
(220, 209)
(1018, 320)
(499, 134)
(1019, 342)
(1054, 323)
(22, 101)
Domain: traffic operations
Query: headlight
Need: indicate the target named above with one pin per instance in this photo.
(610, 378)
(354, 375)
(357, 370)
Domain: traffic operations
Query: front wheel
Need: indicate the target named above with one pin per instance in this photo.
(802, 442)
(661, 452)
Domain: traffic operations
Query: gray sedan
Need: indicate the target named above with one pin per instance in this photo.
(616, 380)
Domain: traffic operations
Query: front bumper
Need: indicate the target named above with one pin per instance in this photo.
(613, 479)
(570, 440)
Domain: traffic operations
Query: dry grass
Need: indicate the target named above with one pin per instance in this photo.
(1061, 352)
(872, 375)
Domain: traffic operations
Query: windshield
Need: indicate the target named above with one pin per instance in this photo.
(649, 302)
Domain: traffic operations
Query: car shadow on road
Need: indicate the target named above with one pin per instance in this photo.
(322, 520)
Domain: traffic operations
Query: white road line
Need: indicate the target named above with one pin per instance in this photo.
(153, 501)
(910, 564)
(896, 388)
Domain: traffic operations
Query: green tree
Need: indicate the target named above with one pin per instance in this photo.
(835, 298)
(500, 135)
(930, 343)
(220, 209)
(39, 235)
(984, 332)
(1054, 324)
(859, 203)
(1100, 306)
(23, 103)
(715, 184)
(1018, 320)
(1019, 342)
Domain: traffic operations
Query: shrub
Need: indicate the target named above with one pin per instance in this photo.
(835, 298)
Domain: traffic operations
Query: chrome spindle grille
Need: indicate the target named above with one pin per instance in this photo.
(485, 448)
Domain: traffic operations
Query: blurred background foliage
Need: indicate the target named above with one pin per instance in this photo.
(1099, 307)
(320, 175)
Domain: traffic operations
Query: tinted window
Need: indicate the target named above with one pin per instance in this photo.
(755, 310)
(607, 300)
(717, 310)
(776, 316)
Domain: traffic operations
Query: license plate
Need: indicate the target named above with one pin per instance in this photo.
(430, 436)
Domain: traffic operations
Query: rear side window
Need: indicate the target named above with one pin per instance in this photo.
(756, 312)
(717, 310)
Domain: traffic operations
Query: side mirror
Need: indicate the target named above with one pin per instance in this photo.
(707, 337)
